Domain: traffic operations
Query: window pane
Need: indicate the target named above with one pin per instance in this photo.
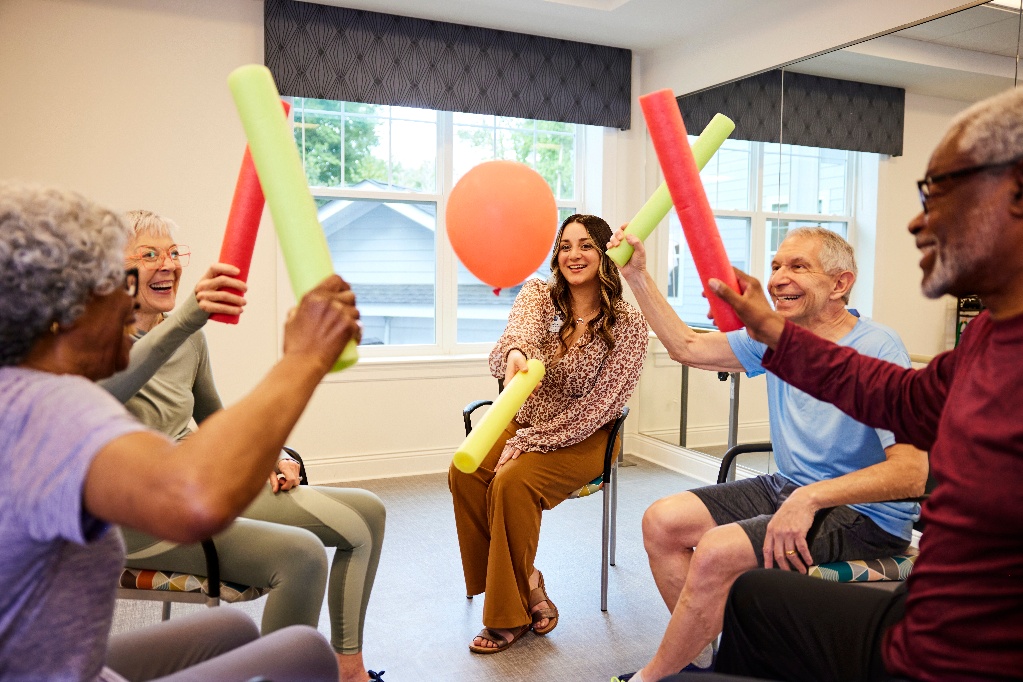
(366, 152)
(547, 147)
(685, 291)
(727, 175)
(472, 146)
(482, 315)
(805, 180)
(777, 229)
(414, 155)
(367, 146)
(387, 251)
(555, 161)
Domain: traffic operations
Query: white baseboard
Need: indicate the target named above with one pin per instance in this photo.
(694, 464)
(360, 467)
(716, 434)
(378, 465)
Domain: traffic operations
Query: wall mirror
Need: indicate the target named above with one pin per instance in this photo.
(761, 189)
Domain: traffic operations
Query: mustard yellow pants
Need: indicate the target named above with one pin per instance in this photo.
(498, 518)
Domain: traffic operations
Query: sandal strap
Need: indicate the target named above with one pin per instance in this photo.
(537, 595)
(551, 612)
(496, 637)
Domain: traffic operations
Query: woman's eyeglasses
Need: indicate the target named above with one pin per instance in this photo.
(153, 258)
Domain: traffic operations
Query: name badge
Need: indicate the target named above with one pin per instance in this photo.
(556, 325)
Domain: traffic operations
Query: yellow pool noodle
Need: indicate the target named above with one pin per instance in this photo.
(279, 167)
(477, 444)
(658, 205)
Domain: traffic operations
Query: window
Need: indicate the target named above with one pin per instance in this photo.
(380, 176)
(758, 191)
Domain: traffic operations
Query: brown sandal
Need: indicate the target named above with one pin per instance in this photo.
(492, 635)
(539, 594)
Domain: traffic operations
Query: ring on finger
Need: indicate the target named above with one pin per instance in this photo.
(790, 552)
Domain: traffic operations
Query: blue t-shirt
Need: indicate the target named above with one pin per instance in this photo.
(814, 440)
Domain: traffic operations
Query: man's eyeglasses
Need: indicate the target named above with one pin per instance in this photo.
(153, 258)
(925, 185)
(131, 281)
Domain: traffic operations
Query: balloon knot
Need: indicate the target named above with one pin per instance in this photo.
(497, 291)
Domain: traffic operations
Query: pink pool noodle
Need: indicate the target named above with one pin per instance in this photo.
(668, 134)
(243, 224)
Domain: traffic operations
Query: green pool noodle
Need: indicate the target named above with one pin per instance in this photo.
(658, 205)
(279, 167)
(479, 442)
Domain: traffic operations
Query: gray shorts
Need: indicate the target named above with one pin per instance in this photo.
(845, 534)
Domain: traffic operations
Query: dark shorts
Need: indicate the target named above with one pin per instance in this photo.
(845, 534)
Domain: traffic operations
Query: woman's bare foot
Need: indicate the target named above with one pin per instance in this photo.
(485, 643)
(351, 668)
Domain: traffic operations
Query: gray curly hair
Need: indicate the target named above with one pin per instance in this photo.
(57, 248)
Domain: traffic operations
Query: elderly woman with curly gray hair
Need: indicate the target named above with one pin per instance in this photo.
(77, 463)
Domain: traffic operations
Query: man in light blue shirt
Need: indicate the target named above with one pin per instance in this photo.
(698, 542)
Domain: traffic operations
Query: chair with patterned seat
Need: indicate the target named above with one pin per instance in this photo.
(187, 588)
(606, 482)
(885, 572)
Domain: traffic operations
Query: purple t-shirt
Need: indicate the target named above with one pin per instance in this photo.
(58, 564)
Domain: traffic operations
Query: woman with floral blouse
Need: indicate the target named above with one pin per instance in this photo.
(592, 344)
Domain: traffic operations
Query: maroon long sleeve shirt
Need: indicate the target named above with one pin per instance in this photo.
(964, 611)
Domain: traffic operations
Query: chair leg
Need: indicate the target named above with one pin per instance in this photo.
(614, 511)
(605, 548)
(166, 610)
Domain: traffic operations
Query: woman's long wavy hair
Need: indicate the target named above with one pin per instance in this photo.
(607, 273)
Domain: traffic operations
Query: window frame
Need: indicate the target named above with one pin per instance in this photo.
(445, 348)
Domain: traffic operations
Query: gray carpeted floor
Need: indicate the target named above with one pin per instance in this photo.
(420, 624)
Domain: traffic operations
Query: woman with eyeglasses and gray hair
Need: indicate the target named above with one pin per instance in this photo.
(77, 463)
(278, 544)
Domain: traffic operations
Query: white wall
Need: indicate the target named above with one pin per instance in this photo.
(921, 322)
(126, 100)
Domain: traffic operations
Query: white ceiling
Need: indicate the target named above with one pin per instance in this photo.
(633, 24)
(965, 56)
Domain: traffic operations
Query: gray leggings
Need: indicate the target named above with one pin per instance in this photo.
(279, 544)
(219, 644)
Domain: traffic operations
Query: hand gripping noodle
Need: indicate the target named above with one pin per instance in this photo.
(277, 162)
(477, 444)
(659, 203)
(668, 133)
(243, 224)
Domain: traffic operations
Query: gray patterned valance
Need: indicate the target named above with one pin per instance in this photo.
(335, 53)
(804, 110)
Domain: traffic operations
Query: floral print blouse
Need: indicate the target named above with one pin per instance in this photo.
(581, 391)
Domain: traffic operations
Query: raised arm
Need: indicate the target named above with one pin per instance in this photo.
(151, 351)
(186, 492)
(878, 393)
(684, 345)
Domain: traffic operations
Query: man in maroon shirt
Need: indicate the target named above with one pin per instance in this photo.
(960, 615)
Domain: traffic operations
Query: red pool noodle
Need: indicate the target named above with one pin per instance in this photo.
(668, 133)
(243, 224)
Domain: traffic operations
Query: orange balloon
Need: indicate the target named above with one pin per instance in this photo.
(501, 221)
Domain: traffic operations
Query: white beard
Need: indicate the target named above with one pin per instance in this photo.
(962, 260)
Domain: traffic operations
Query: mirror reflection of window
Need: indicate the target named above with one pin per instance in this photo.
(758, 191)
